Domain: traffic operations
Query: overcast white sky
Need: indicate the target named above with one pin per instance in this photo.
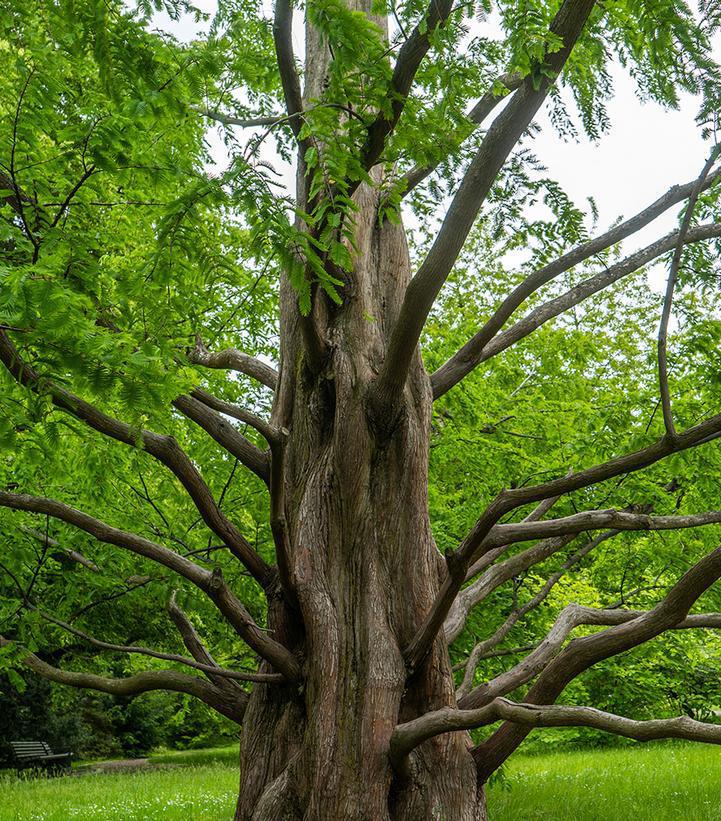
(647, 150)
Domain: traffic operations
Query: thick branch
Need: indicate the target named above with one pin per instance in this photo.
(409, 735)
(225, 435)
(140, 683)
(234, 360)
(487, 343)
(164, 448)
(210, 583)
(283, 38)
(499, 141)
(409, 60)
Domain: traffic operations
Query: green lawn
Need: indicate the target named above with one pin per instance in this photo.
(671, 782)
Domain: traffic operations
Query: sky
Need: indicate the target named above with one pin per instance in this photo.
(647, 150)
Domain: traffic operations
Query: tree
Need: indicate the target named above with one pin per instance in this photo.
(134, 272)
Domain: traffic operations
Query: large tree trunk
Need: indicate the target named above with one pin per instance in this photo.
(356, 507)
(359, 535)
(362, 562)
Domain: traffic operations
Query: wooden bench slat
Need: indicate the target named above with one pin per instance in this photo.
(39, 753)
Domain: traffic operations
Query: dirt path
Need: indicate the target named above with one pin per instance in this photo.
(118, 765)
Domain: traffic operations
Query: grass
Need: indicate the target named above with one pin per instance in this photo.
(670, 782)
(202, 787)
(673, 782)
(217, 755)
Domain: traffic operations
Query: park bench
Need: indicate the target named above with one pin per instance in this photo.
(38, 755)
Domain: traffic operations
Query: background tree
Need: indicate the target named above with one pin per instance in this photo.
(145, 291)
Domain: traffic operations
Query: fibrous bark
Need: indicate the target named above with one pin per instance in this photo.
(356, 512)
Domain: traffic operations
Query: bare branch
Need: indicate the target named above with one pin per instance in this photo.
(265, 429)
(164, 448)
(488, 558)
(234, 360)
(195, 646)
(571, 617)
(499, 141)
(250, 122)
(65, 204)
(476, 116)
(494, 577)
(211, 584)
(594, 520)
(487, 343)
(225, 435)
(140, 683)
(668, 297)
(409, 735)
(283, 38)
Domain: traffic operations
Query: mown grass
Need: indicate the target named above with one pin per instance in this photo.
(670, 782)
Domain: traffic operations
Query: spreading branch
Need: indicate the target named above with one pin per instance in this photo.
(482, 649)
(408, 736)
(267, 431)
(594, 520)
(488, 343)
(211, 583)
(198, 650)
(140, 683)
(234, 360)
(498, 143)
(242, 122)
(214, 669)
(494, 577)
(488, 558)
(475, 542)
(583, 653)
(163, 448)
(53, 544)
(501, 573)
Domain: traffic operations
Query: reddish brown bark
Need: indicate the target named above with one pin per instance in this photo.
(364, 569)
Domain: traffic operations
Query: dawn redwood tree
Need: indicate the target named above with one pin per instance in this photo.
(127, 273)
